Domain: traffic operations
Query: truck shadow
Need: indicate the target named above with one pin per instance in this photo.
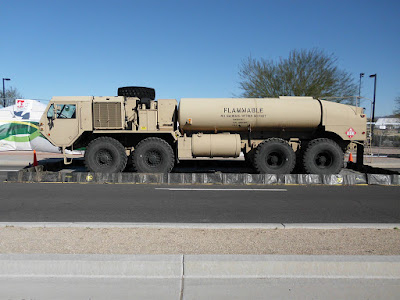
(205, 166)
(212, 166)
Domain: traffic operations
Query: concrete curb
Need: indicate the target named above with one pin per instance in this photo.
(213, 266)
(199, 266)
(83, 265)
(66, 276)
(266, 226)
(291, 266)
(38, 175)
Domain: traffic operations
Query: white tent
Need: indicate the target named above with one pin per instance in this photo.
(19, 128)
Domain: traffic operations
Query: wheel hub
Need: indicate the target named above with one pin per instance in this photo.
(324, 160)
(104, 157)
(153, 158)
(275, 159)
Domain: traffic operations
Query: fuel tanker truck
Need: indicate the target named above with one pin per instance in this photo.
(274, 134)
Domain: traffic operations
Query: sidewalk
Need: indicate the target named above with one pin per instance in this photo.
(24, 158)
(198, 277)
(382, 162)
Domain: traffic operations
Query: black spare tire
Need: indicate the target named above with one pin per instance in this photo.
(323, 156)
(153, 155)
(105, 155)
(274, 156)
(137, 91)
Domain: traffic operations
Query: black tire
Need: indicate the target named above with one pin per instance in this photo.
(153, 155)
(137, 91)
(105, 155)
(323, 156)
(274, 156)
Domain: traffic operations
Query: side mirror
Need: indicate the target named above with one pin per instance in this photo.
(51, 113)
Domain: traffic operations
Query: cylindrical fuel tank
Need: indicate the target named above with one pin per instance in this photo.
(233, 114)
(216, 145)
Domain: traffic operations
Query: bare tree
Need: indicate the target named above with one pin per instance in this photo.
(11, 95)
(396, 110)
(304, 73)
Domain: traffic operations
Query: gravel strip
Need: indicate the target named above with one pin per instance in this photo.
(200, 241)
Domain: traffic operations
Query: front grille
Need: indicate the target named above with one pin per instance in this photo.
(107, 115)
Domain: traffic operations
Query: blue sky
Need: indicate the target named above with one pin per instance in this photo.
(189, 48)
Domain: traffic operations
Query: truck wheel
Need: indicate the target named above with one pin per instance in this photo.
(323, 156)
(274, 156)
(105, 155)
(137, 91)
(153, 155)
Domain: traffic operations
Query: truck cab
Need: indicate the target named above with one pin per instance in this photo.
(75, 122)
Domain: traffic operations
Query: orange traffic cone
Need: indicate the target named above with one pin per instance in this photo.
(351, 157)
(35, 163)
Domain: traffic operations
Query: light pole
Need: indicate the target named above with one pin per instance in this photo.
(4, 92)
(359, 89)
(373, 102)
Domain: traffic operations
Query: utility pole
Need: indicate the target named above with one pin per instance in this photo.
(359, 91)
(4, 92)
(373, 103)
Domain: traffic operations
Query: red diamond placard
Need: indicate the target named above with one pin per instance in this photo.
(351, 132)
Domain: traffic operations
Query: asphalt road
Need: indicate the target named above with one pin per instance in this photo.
(23, 202)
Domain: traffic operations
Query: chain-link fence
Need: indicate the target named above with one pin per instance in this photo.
(386, 138)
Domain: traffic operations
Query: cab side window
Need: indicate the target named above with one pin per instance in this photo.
(66, 111)
(63, 111)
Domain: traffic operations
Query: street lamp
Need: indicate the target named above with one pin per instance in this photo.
(359, 89)
(4, 92)
(373, 102)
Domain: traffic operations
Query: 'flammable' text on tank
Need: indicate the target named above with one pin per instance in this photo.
(253, 110)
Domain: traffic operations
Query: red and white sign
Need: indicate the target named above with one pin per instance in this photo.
(20, 103)
(23, 104)
(351, 132)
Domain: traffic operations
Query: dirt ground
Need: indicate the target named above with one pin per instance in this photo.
(200, 241)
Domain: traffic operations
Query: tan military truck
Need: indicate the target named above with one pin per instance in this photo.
(272, 133)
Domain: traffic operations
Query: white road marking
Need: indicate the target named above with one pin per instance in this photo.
(9, 170)
(283, 226)
(223, 190)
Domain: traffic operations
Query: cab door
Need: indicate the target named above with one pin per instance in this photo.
(62, 125)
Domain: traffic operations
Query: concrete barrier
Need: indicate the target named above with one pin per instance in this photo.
(37, 175)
